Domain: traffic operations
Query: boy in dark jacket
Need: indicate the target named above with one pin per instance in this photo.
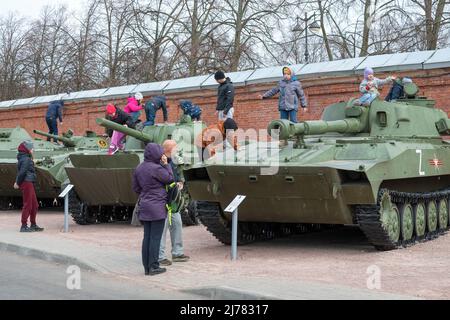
(26, 177)
(118, 116)
(149, 181)
(158, 102)
(54, 112)
(225, 97)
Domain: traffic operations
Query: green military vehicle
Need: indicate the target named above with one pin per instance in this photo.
(50, 159)
(384, 168)
(103, 183)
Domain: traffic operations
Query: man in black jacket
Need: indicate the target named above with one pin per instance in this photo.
(54, 112)
(225, 97)
(26, 177)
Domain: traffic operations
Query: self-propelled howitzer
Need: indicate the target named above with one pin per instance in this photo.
(385, 168)
(103, 183)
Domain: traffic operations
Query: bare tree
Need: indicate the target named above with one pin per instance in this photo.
(12, 44)
(153, 25)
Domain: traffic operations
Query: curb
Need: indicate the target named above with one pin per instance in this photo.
(45, 255)
(228, 293)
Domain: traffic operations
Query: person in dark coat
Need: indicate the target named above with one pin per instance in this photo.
(156, 103)
(225, 97)
(118, 116)
(149, 181)
(26, 177)
(54, 113)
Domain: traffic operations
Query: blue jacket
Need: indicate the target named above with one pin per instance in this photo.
(54, 110)
(158, 102)
(291, 92)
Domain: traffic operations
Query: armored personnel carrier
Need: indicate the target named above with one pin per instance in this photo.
(50, 159)
(103, 183)
(384, 168)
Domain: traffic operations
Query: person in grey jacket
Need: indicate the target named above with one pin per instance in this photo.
(26, 177)
(291, 93)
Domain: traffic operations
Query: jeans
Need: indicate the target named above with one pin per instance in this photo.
(150, 245)
(30, 203)
(289, 115)
(229, 115)
(52, 125)
(176, 237)
(150, 114)
(135, 116)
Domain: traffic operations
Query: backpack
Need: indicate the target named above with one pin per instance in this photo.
(190, 109)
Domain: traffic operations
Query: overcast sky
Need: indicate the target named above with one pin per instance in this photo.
(32, 8)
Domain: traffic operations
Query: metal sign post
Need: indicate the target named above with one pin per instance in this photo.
(233, 209)
(65, 195)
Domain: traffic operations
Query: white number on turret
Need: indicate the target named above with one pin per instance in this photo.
(421, 173)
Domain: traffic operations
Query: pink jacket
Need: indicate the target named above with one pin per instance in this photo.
(132, 106)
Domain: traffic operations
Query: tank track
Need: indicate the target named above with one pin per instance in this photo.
(211, 217)
(79, 210)
(369, 218)
(189, 215)
(10, 203)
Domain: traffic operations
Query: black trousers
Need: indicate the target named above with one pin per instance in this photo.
(153, 231)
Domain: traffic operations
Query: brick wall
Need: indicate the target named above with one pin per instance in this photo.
(250, 111)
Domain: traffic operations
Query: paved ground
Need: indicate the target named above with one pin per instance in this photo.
(332, 264)
(33, 279)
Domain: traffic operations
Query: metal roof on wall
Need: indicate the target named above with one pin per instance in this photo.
(152, 87)
(47, 99)
(23, 102)
(186, 84)
(119, 91)
(270, 74)
(395, 62)
(90, 94)
(238, 78)
(388, 62)
(440, 59)
(7, 104)
(330, 68)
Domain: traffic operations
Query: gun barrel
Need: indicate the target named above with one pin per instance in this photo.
(125, 130)
(286, 129)
(67, 142)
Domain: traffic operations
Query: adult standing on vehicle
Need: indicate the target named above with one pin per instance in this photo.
(54, 113)
(149, 181)
(225, 97)
(26, 177)
(291, 93)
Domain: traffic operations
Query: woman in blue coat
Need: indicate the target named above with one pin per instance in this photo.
(149, 181)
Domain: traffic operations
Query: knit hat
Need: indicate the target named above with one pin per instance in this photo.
(26, 146)
(138, 96)
(368, 71)
(220, 75)
(110, 109)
